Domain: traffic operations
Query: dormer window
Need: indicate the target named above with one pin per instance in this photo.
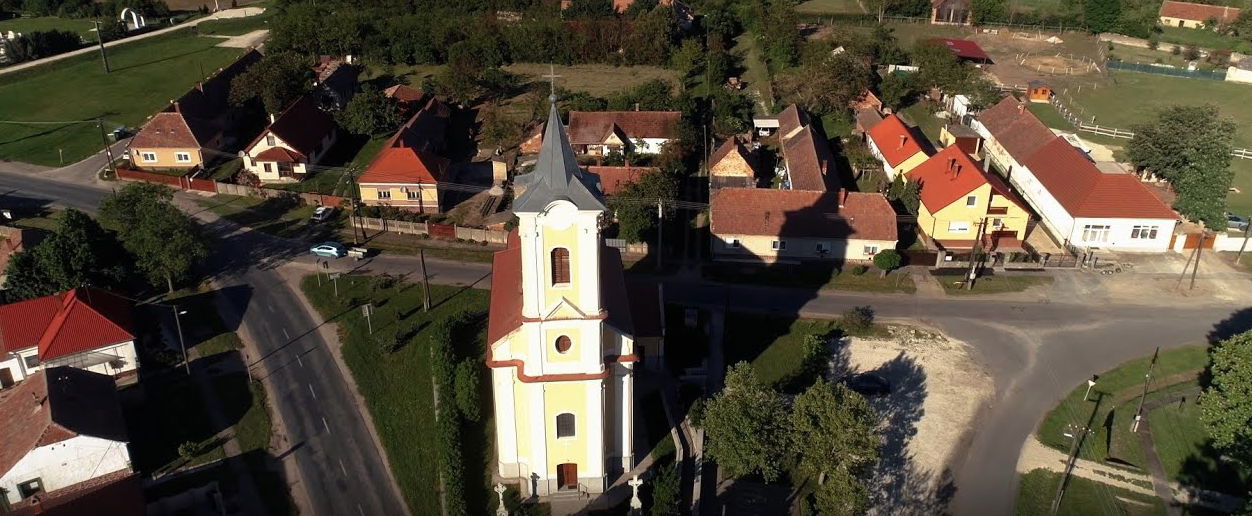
(560, 266)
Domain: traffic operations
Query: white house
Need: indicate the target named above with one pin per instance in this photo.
(294, 141)
(600, 133)
(62, 427)
(767, 225)
(86, 328)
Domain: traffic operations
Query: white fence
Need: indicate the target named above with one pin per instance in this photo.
(627, 247)
(1113, 131)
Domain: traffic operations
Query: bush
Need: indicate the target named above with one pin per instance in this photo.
(1153, 42)
(860, 269)
(1176, 50)
(667, 492)
(888, 260)
(448, 426)
(1191, 53)
(858, 320)
(467, 379)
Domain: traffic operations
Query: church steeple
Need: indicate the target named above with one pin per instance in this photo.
(557, 174)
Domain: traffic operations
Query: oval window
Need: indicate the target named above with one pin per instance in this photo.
(563, 344)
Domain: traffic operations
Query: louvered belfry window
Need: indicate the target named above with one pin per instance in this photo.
(560, 266)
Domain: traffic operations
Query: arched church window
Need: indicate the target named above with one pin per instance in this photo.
(564, 425)
(560, 266)
(563, 344)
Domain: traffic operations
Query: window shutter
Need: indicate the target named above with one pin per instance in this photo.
(560, 265)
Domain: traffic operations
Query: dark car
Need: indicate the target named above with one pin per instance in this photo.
(869, 384)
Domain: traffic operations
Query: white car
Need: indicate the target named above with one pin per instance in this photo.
(323, 213)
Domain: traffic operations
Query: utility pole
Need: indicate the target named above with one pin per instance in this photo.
(660, 221)
(421, 253)
(1244, 245)
(1147, 378)
(1199, 251)
(973, 257)
(354, 217)
(1077, 435)
(108, 151)
(100, 39)
(181, 343)
(1184, 269)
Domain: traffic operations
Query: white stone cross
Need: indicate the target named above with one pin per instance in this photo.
(552, 77)
(500, 510)
(635, 502)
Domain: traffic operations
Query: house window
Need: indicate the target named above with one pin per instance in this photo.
(996, 223)
(270, 140)
(31, 361)
(958, 226)
(779, 245)
(971, 200)
(733, 243)
(384, 193)
(560, 266)
(268, 168)
(29, 488)
(563, 344)
(148, 157)
(870, 250)
(1095, 233)
(564, 425)
(1144, 232)
(412, 194)
(182, 157)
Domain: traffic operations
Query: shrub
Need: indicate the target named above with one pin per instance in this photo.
(859, 319)
(1191, 53)
(860, 269)
(467, 378)
(1176, 50)
(667, 492)
(888, 260)
(1153, 42)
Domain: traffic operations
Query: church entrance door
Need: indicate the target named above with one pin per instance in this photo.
(567, 476)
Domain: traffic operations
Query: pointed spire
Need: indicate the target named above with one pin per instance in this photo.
(557, 174)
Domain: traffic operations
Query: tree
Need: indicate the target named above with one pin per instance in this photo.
(834, 433)
(1226, 406)
(369, 113)
(938, 67)
(589, 9)
(888, 260)
(907, 192)
(277, 80)
(896, 90)
(825, 83)
(40, 44)
(77, 253)
(467, 379)
(841, 495)
(746, 426)
(884, 47)
(1101, 15)
(165, 242)
(983, 11)
(1189, 146)
(667, 492)
(635, 207)
(689, 58)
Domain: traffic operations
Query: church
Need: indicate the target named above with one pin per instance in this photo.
(560, 338)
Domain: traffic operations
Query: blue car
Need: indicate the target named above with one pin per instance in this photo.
(329, 250)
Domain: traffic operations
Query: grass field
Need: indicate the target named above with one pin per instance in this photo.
(146, 75)
(829, 7)
(82, 26)
(755, 73)
(920, 115)
(1187, 455)
(1114, 389)
(412, 244)
(1130, 100)
(773, 345)
(1082, 497)
(397, 386)
(1204, 39)
(998, 284)
(596, 79)
(235, 26)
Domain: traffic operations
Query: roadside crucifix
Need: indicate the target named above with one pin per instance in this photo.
(500, 510)
(635, 502)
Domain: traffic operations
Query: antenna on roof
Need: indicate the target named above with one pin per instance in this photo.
(552, 76)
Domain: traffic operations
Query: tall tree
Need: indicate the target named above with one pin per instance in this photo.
(896, 90)
(277, 80)
(1101, 15)
(983, 11)
(746, 426)
(1226, 406)
(825, 82)
(1189, 146)
(834, 430)
(635, 206)
(77, 253)
(369, 113)
(938, 67)
(166, 243)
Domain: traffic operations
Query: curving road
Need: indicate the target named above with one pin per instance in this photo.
(1036, 351)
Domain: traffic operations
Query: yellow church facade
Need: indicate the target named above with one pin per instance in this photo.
(560, 343)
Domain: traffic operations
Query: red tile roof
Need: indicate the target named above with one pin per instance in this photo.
(801, 214)
(1198, 12)
(195, 118)
(614, 179)
(1084, 191)
(402, 93)
(301, 126)
(1015, 128)
(894, 140)
(56, 404)
(116, 494)
(280, 155)
(809, 160)
(67, 323)
(963, 48)
(408, 156)
(790, 119)
(948, 176)
(165, 130)
(505, 308)
(587, 127)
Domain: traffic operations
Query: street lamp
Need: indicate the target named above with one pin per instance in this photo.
(1090, 383)
(182, 344)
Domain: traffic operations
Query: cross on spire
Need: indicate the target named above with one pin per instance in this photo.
(552, 76)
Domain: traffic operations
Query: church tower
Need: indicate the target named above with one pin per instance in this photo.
(560, 343)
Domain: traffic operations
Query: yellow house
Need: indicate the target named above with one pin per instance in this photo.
(560, 335)
(961, 203)
(896, 145)
(406, 173)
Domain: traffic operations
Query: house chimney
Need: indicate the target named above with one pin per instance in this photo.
(1021, 108)
(271, 118)
(903, 139)
(843, 197)
(177, 108)
(636, 106)
(951, 163)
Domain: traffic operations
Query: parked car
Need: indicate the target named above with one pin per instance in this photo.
(322, 213)
(869, 384)
(1236, 222)
(329, 250)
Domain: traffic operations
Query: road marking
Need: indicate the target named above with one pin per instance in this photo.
(325, 425)
(360, 510)
(313, 393)
(301, 362)
(285, 334)
(270, 308)
(343, 469)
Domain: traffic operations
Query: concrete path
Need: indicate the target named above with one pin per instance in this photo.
(1037, 456)
(220, 15)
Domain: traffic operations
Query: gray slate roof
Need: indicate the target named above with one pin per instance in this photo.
(557, 174)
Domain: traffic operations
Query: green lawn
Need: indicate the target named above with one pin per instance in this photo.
(773, 345)
(1130, 100)
(1186, 453)
(252, 429)
(829, 7)
(597, 79)
(1203, 39)
(82, 26)
(1050, 116)
(1113, 393)
(998, 284)
(756, 74)
(397, 386)
(920, 115)
(812, 276)
(279, 216)
(146, 75)
(412, 244)
(1082, 497)
(1241, 202)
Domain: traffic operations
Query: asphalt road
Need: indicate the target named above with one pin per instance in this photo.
(1036, 351)
(339, 466)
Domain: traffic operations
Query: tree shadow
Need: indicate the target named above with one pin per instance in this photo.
(1236, 323)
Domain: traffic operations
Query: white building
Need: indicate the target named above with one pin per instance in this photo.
(62, 427)
(600, 133)
(1078, 203)
(295, 140)
(86, 328)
